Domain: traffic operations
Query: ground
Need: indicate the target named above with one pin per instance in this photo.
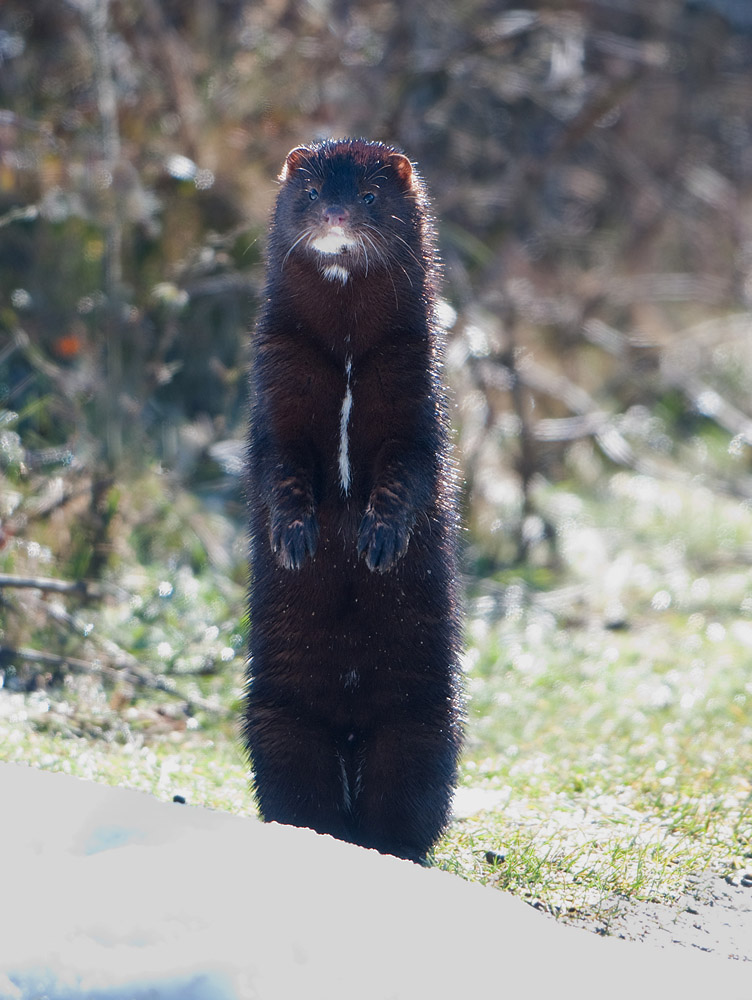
(714, 917)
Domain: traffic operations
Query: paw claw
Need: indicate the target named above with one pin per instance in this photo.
(380, 542)
(293, 542)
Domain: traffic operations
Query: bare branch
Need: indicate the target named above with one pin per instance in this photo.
(137, 676)
(25, 214)
(45, 583)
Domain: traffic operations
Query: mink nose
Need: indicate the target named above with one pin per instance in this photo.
(335, 215)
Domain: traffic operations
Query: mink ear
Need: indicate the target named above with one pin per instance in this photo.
(403, 168)
(293, 160)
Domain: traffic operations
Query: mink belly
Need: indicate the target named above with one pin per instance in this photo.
(317, 624)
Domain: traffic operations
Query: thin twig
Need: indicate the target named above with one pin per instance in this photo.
(107, 102)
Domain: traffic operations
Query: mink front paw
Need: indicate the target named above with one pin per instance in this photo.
(381, 542)
(292, 542)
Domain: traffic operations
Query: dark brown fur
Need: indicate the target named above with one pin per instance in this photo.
(353, 720)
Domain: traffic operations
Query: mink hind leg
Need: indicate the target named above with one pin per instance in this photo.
(406, 781)
(297, 770)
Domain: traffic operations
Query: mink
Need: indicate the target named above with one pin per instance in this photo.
(353, 719)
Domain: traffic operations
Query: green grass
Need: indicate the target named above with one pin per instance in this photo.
(611, 763)
(620, 758)
(620, 765)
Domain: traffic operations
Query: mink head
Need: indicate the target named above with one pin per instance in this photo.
(350, 207)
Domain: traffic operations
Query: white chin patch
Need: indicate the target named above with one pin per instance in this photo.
(336, 273)
(335, 241)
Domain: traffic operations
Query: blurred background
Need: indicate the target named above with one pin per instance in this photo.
(590, 167)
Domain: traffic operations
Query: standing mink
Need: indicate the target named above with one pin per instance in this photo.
(353, 718)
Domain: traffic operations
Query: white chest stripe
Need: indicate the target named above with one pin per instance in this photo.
(344, 444)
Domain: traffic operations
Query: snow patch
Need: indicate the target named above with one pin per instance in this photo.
(108, 894)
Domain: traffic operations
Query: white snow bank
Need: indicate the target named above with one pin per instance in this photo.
(107, 893)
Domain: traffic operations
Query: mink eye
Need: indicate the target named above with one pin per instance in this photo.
(313, 194)
(369, 198)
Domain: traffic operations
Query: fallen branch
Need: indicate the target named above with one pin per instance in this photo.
(49, 584)
(137, 676)
(25, 214)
